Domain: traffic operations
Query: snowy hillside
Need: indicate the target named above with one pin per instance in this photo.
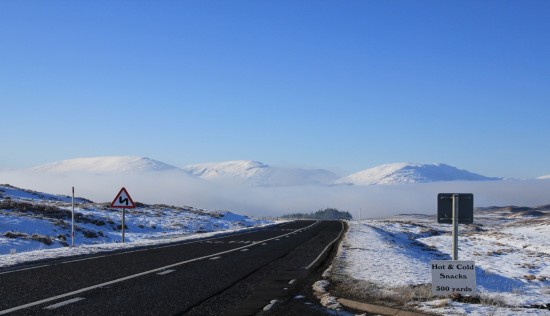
(107, 164)
(32, 221)
(405, 173)
(253, 173)
(10, 192)
(510, 247)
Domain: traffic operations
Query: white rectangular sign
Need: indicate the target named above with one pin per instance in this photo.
(453, 276)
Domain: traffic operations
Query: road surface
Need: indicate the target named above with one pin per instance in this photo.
(236, 274)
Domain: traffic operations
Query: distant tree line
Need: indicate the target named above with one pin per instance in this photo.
(328, 213)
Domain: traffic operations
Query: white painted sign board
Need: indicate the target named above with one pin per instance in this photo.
(453, 276)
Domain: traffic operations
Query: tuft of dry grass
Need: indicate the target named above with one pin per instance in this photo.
(369, 292)
(495, 300)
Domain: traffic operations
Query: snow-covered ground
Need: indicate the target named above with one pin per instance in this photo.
(510, 246)
(36, 225)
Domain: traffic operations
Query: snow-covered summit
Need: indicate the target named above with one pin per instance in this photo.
(106, 164)
(544, 177)
(404, 173)
(254, 173)
(236, 169)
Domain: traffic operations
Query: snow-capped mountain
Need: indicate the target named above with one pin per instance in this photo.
(404, 173)
(242, 169)
(544, 177)
(253, 173)
(257, 174)
(107, 164)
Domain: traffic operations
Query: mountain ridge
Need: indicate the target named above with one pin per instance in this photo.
(258, 174)
(409, 173)
(254, 173)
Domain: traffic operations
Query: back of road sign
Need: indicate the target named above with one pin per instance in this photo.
(465, 208)
(123, 200)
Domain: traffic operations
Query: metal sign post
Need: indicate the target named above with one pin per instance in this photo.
(123, 201)
(455, 208)
(123, 224)
(455, 226)
(72, 221)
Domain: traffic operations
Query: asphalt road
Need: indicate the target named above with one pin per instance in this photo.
(237, 274)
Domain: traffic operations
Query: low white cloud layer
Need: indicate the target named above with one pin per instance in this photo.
(180, 189)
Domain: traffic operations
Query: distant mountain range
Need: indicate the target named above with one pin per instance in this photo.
(253, 173)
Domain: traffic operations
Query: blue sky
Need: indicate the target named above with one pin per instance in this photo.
(342, 85)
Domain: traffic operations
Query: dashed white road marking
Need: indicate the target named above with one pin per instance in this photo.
(165, 272)
(60, 304)
(246, 249)
(270, 305)
(215, 258)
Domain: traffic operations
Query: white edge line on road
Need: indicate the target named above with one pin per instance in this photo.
(25, 269)
(326, 248)
(60, 304)
(77, 260)
(93, 287)
(130, 250)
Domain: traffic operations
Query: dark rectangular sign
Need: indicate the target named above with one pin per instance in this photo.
(465, 208)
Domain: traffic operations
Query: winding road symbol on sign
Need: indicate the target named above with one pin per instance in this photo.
(123, 200)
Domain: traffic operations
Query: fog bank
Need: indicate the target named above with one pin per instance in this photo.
(180, 189)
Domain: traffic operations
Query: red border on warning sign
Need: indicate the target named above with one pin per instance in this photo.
(131, 205)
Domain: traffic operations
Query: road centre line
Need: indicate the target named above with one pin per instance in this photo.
(166, 272)
(61, 304)
(93, 287)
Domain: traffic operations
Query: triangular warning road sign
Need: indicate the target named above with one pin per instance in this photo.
(123, 200)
